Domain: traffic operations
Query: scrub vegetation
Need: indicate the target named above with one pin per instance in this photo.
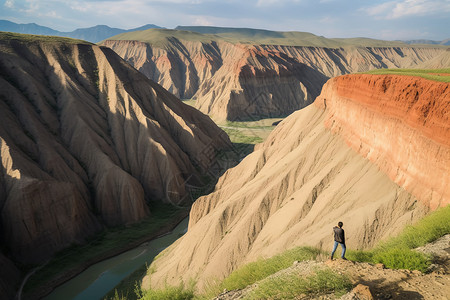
(395, 253)
(323, 281)
(205, 34)
(30, 38)
(442, 75)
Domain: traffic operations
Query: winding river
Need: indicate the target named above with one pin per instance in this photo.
(100, 278)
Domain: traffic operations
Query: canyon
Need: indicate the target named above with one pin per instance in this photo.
(87, 142)
(246, 74)
(372, 151)
(95, 136)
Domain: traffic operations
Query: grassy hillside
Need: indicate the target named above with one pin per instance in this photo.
(161, 37)
(395, 253)
(28, 38)
(207, 34)
(289, 38)
(442, 75)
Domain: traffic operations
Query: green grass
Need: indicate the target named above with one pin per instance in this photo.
(397, 253)
(190, 102)
(291, 286)
(162, 37)
(180, 292)
(243, 143)
(30, 38)
(260, 124)
(237, 136)
(255, 271)
(167, 293)
(205, 34)
(262, 268)
(126, 289)
(430, 74)
(109, 240)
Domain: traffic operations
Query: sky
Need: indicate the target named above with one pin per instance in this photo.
(388, 20)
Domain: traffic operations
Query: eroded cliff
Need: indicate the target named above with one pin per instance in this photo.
(403, 126)
(241, 81)
(372, 152)
(87, 141)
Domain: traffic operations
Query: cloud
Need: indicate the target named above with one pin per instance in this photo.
(328, 20)
(408, 8)
(9, 3)
(323, 17)
(277, 2)
(202, 21)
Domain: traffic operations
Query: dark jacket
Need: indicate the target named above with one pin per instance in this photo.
(339, 235)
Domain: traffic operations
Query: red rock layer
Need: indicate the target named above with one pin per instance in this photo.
(400, 123)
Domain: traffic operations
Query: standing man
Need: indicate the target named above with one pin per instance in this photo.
(339, 238)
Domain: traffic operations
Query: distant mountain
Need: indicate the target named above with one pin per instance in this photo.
(241, 31)
(286, 38)
(92, 34)
(31, 28)
(444, 42)
(271, 37)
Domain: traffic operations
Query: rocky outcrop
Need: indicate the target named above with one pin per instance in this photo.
(236, 81)
(371, 152)
(262, 84)
(403, 127)
(437, 62)
(87, 141)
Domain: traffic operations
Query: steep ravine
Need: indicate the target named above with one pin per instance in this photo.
(233, 81)
(307, 176)
(86, 142)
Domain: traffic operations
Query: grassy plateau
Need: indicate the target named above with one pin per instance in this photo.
(30, 38)
(442, 75)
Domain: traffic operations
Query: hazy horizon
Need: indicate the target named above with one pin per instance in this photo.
(388, 20)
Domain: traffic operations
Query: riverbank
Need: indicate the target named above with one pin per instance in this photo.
(44, 282)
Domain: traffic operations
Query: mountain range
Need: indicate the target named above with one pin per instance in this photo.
(99, 33)
(93, 34)
(443, 42)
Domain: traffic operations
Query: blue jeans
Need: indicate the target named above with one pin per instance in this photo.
(335, 247)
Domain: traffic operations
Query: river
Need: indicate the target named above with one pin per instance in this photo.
(101, 277)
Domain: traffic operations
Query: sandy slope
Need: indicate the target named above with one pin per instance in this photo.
(305, 177)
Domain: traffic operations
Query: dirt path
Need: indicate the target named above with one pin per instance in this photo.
(395, 284)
